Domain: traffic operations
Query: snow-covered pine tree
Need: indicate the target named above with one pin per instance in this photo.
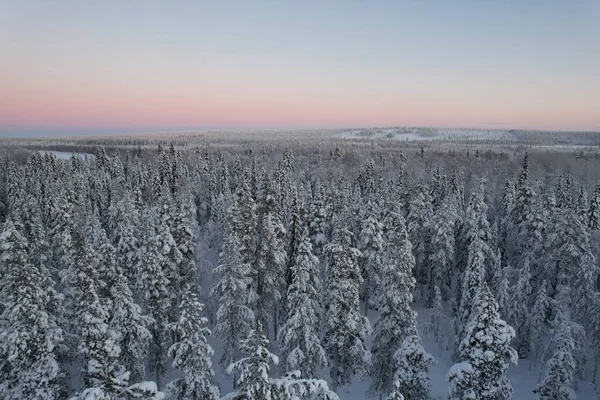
(537, 322)
(485, 354)
(299, 337)
(561, 367)
(397, 321)
(518, 312)
(191, 352)
(345, 328)
(131, 327)
(371, 246)
(234, 317)
(594, 210)
(156, 289)
(319, 227)
(420, 212)
(253, 382)
(97, 341)
(412, 369)
(29, 336)
(268, 271)
(436, 319)
(395, 394)
(441, 258)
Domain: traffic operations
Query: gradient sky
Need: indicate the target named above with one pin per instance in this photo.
(85, 67)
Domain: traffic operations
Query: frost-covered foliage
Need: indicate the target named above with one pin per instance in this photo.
(485, 354)
(299, 337)
(345, 328)
(412, 369)
(191, 353)
(112, 241)
(29, 335)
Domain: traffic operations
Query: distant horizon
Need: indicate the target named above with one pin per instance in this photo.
(108, 67)
(61, 134)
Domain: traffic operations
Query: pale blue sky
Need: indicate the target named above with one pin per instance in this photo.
(83, 66)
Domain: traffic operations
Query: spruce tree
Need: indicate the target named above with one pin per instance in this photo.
(191, 352)
(345, 329)
(397, 321)
(371, 246)
(485, 354)
(537, 322)
(412, 369)
(299, 337)
(29, 335)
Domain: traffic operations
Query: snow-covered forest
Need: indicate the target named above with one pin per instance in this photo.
(300, 270)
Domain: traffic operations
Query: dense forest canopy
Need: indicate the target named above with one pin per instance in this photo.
(295, 267)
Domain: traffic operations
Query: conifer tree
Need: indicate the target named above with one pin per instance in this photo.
(412, 369)
(234, 317)
(436, 319)
(299, 337)
(561, 367)
(397, 321)
(345, 329)
(253, 370)
(485, 353)
(191, 352)
(539, 314)
(594, 210)
(371, 246)
(29, 335)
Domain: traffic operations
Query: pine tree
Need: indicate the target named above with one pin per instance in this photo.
(518, 313)
(29, 336)
(299, 337)
(420, 212)
(561, 368)
(412, 369)
(395, 394)
(191, 353)
(234, 317)
(397, 321)
(268, 270)
(253, 379)
(371, 246)
(594, 210)
(485, 353)
(537, 321)
(156, 289)
(345, 329)
(436, 319)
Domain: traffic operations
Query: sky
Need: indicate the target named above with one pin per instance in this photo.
(88, 67)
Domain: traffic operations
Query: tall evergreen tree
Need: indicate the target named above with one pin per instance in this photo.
(412, 369)
(371, 246)
(29, 335)
(345, 329)
(485, 353)
(299, 337)
(191, 353)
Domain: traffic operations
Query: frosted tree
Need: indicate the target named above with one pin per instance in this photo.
(125, 239)
(243, 222)
(156, 289)
(29, 336)
(395, 394)
(293, 386)
(345, 329)
(436, 319)
(582, 205)
(191, 352)
(485, 354)
(299, 337)
(132, 330)
(472, 282)
(420, 212)
(253, 382)
(268, 271)
(537, 322)
(441, 258)
(397, 321)
(518, 312)
(97, 341)
(594, 210)
(371, 246)
(561, 368)
(234, 317)
(412, 369)
(319, 227)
